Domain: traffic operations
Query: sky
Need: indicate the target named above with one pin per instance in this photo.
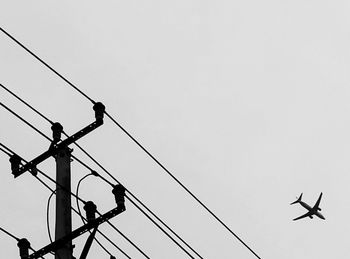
(245, 102)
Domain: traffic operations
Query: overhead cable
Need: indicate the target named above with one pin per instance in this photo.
(48, 215)
(26, 122)
(108, 222)
(9, 234)
(26, 103)
(43, 62)
(16, 238)
(80, 214)
(141, 146)
(52, 191)
(108, 173)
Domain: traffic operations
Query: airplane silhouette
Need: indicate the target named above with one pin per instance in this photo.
(311, 210)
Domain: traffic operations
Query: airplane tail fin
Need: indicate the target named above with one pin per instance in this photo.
(298, 200)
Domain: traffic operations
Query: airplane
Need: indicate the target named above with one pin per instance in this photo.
(311, 210)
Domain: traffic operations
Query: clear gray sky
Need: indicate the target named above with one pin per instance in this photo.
(246, 102)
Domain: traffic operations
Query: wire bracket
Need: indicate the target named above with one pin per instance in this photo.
(15, 160)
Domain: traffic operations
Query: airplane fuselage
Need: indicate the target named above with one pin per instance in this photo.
(309, 208)
(305, 205)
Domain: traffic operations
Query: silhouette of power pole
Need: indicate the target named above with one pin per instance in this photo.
(63, 225)
(62, 246)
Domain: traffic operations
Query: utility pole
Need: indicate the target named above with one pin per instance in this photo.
(62, 246)
(63, 225)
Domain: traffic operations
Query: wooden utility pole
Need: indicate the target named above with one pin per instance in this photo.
(63, 225)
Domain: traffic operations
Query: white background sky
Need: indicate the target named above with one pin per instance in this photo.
(246, 102)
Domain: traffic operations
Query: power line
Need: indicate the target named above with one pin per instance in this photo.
(26, 103)
(136, 142)
(43, 62)
(155, 223)
(9, 234)
(94, 172)
(97, 241)
(41, 172)
(16, 238)
(3, 150)
(141, 203)
(48, 215)
(48, 220)
(124, 236)
(182, 185)
(26, 122)
(78, 213)
(155, 216)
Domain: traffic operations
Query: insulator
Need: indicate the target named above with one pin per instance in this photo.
(57, 130)
(99, 109)
(24, 246)
(90, 209)
(119, 193)
(15, 161)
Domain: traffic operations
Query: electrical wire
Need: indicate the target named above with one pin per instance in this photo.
(3, 150)
(162, 229)
(81, 162)
(144, 213)
(151, 212)
(19, 117)
(77, 194)
(155, 223)
(125, 237)
(26, 122)
(43, 62)
(107, 238)
(80, 214)
(48, 220)
(97, 241)
(136, 142)
(48, 215)
(8, 151)
(141, 203)
(26, 103)
(9, 234)
(30, 125)
(84, 220)
(182, 185)
(17, 239)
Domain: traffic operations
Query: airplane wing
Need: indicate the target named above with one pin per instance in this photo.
(318, 202)
(308, 214)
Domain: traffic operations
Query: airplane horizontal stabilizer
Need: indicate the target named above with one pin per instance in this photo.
(298, 200)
